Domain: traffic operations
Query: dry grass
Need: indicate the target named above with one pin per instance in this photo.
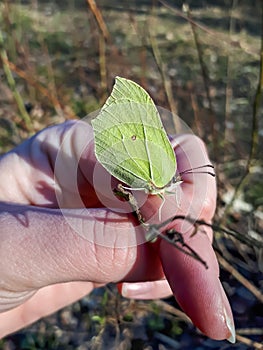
(59, 63)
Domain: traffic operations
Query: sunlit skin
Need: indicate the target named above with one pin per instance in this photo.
(45, 264)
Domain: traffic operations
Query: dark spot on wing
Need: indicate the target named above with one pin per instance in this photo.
(133, 137)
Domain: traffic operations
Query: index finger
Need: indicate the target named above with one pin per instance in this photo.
(198, 290)
(198, 188)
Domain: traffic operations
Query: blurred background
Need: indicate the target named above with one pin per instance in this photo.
(200, 59)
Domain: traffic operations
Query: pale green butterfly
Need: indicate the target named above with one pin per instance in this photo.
(131, 143)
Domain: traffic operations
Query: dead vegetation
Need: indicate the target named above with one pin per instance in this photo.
(204, 63)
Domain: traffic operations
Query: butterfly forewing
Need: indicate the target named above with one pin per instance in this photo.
(130, 141)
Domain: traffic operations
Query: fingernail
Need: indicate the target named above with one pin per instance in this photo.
(231, 327)
(134, 290)
(128, 289)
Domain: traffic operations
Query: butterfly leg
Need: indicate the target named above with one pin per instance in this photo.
(128, 196)
(161, 206)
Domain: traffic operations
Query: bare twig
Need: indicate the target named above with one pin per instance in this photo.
(165, 77)
(206, 81)
(239, 332)
(215, 34)
(249, 342)
(173, 311)
(250, 331)
(176, 239)
(229, 91)
(255, 128)
(12, 84)
(43, 90)
(246, 283)
(104, 35)
(195, 108)
(153, 232)
(51, 80)
(103, 67)
(215, 227)
(97, 14)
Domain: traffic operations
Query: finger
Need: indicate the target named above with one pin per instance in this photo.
(199, 189)
(44, 170)
(57, 168)
(43, 303)
(195, 196)
(190, 152)
(198, 290)
(40, 247)
(146, 290)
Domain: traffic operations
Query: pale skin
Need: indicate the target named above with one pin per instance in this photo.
(45, 264)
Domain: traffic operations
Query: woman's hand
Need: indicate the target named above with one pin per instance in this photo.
(59, 239)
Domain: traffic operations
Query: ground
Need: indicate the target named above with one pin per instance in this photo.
(202, 62)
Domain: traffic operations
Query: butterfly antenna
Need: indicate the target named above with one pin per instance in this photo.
(191, 171)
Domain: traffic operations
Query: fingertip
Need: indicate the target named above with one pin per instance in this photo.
(198, 290)
(146, 290)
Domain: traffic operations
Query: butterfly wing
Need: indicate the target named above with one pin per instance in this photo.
(130, 141)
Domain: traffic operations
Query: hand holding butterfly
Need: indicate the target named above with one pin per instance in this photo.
(46, 264)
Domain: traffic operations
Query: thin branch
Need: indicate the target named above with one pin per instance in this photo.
(43, 90)
(162, 69)
(165, 78)
(255, 129)
(103, 67)
(176, 239)
(97, 14)
(153, 232)
(51, 79)
(244, 238)
(229, 90)
(215, 34)
(12, 84)
(206, 80)
(249, 342)
(173, 311)
(246, 283)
